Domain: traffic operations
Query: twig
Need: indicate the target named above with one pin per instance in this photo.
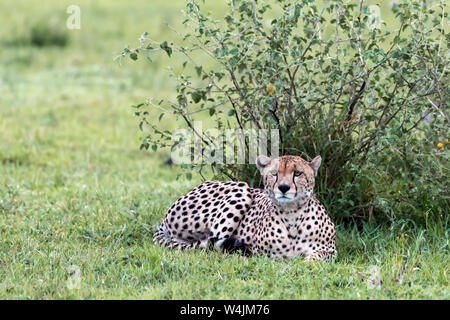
(193, 129)
(372, 281)
(439, 110)
(355, 100)
(359, 37)
(402, 274)
(314, 35)
(364, 276)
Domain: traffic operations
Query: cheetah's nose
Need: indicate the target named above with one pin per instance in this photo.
(284, 188)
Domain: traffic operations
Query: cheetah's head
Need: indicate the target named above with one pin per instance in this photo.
(288, 179)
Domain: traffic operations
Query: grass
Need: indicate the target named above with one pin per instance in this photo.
(78, 200)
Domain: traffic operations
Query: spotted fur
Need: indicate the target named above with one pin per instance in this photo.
(283, 220)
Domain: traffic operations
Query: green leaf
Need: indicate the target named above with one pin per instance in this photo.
(134, 56)
(166, 48)
(297, 11)
(199, 70)
(196, 96)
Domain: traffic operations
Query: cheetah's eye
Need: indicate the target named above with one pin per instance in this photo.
(297, 173)
(274, 172)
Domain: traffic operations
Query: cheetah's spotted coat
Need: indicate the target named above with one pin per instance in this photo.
(283, 220)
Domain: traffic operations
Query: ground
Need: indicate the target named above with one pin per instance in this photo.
(79, 202)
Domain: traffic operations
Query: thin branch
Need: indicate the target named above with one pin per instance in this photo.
(193, 129)
(314, 35)
(355, 100)
(238, 88)
(359, 37)
(403, 272)
(439, 110)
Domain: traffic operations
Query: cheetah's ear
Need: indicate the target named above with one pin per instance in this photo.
(262, 162)
(315, 164)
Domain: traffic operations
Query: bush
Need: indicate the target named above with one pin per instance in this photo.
(49, 32)
(336, 81)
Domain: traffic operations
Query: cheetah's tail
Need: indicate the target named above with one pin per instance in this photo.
(163, 238)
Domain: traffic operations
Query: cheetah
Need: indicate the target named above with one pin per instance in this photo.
(284, 220)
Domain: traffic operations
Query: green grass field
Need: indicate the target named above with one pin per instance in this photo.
(79, 202)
